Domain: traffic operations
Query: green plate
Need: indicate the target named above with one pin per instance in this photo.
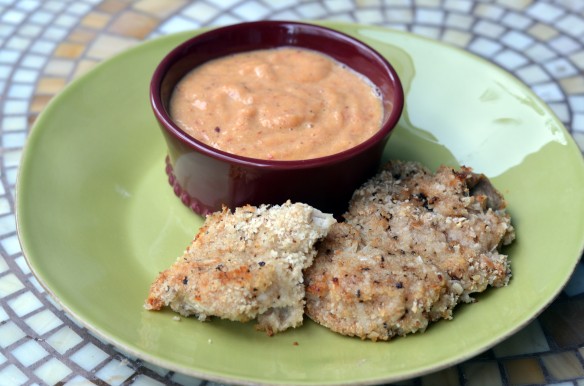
(97, 219)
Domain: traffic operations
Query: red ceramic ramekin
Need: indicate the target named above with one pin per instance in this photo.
(206, 178)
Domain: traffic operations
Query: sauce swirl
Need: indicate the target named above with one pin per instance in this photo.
(277, 104)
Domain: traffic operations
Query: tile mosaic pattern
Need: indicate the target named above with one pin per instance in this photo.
(44, 44)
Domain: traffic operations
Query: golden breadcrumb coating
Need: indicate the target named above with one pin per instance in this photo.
(245, 265)
(359, 290)
(414, 244)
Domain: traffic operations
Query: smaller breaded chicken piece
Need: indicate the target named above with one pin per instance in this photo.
(245, 265)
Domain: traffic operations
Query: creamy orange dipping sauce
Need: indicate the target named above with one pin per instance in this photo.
(279, 104)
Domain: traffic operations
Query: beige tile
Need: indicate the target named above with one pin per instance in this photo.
(519, 5)
(578, 59)
(39, 102)
(31, 119)
(113, 6)
(367, 3)
(160, 9)
(542, 32)
(95, 20)
(573, 85)
(428, 3)
(83, 67)
(524, 371)
(456, 37)
(563, 366)
(133, 24)
(50, 85)
(107, 45)
(59, 67)
(447, 377)
(488, 11)
(69, 50)
(81, 35)
(482, 374)
(400, 15)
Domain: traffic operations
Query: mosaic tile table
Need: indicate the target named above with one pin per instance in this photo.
(44, 44)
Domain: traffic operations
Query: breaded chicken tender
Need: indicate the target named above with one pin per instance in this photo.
(245, 265)
(359, 290)
(420, 243)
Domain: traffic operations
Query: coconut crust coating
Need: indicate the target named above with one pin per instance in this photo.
(245, 265)
(414, 244)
